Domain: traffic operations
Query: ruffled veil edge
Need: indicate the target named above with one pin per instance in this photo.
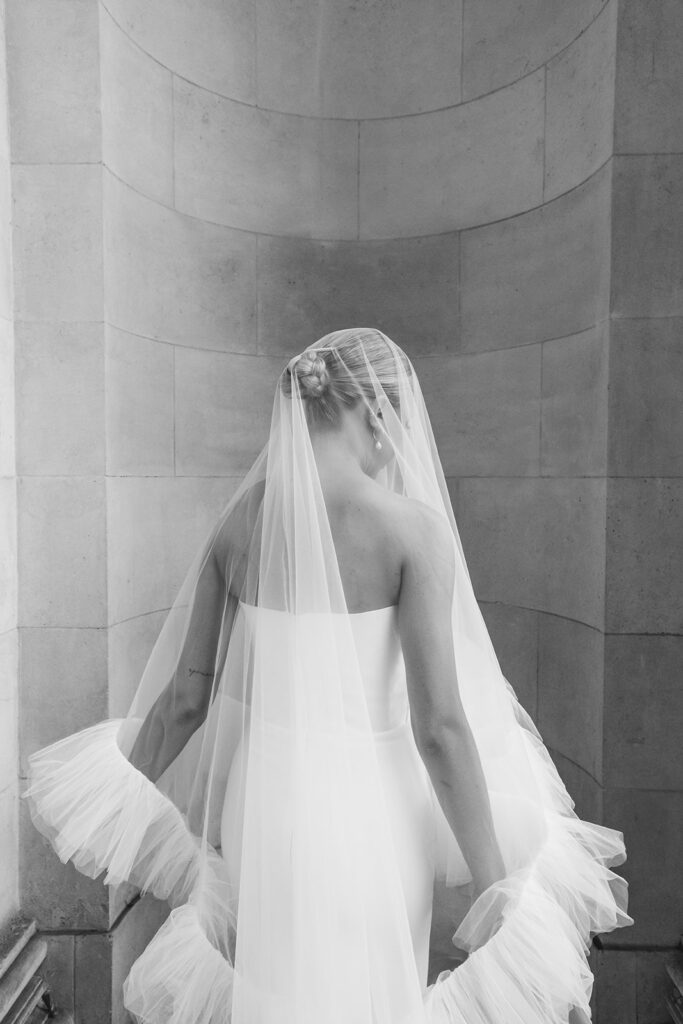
(285, 713)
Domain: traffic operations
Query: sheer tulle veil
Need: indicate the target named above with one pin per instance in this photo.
(290, 913)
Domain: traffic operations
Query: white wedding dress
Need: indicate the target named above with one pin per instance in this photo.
(410, 798)
(528, 965)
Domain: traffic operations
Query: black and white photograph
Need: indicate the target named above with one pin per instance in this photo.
(341, 560)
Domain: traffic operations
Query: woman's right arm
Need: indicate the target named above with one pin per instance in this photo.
(442, 732)
(182, 706)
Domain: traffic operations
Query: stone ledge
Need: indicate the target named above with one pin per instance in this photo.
(21, 988)
(674, 999)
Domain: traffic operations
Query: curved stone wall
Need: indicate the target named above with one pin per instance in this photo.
(447, 181)
(353, 60)
(391, 153)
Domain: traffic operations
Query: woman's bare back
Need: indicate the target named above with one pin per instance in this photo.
(372, 529)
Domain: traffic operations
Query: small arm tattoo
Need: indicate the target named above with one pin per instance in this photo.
(198, 672)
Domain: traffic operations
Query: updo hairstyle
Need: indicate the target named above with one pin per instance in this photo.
(334, 373)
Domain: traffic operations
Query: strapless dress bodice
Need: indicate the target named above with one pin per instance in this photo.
(378, 655)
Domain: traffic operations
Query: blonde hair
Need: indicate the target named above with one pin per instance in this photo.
(340, 368)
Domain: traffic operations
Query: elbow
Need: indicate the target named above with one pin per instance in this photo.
(191, 708)
(438, 739)
(191, 713)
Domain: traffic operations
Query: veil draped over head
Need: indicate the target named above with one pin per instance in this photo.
(286, 909)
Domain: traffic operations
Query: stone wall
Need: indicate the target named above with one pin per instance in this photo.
(460, 203)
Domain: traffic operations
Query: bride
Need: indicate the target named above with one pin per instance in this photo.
(321, 732)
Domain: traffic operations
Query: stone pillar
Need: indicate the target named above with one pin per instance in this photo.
(643, 711)
(9, 891)
(53, 56)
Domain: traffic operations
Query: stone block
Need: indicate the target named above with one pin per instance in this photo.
(542, 275)
(653, 983)
(643, 593)
(584, 790)
(260, 170)
(176, 278)
(60, 398)
(537, 543)
(223, 406)
(407, 287)
(652, 823)
(502, 42)
(132, 934)
(7, 399)
(647, 223)
(6, 300)
(93, 978)
(130, 645)
(156, 527)
(649, 78)
(6, 276)
(643, 712)
(57, 237)
(102, 960)
(139, 419)
(485, 410)
(9, 890)
(8, 720)
(57, 242)
(453, 168)
(615, 987)
(574, 404)
(62, 550)
(58, 969)
(570, 690)
(54, 82)
(359, 60)
(137, 138)
(9, 664)
(645, 408)
(8, 554)
(213, 45)
(56, 894)
(580, 105)
(4, 94)
(63, 684)
(514, 634)
(6, 303)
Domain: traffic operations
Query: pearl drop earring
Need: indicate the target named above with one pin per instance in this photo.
(378, 443)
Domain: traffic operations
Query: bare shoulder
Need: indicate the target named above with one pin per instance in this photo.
(421, 528)
(427, 555)
(419, 535)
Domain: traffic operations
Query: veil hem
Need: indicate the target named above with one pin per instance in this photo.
(527, 936)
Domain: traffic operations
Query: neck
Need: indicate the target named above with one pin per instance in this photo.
(339, 457)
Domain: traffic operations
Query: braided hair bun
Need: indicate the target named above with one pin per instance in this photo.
(341, 369)
(312, 374)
